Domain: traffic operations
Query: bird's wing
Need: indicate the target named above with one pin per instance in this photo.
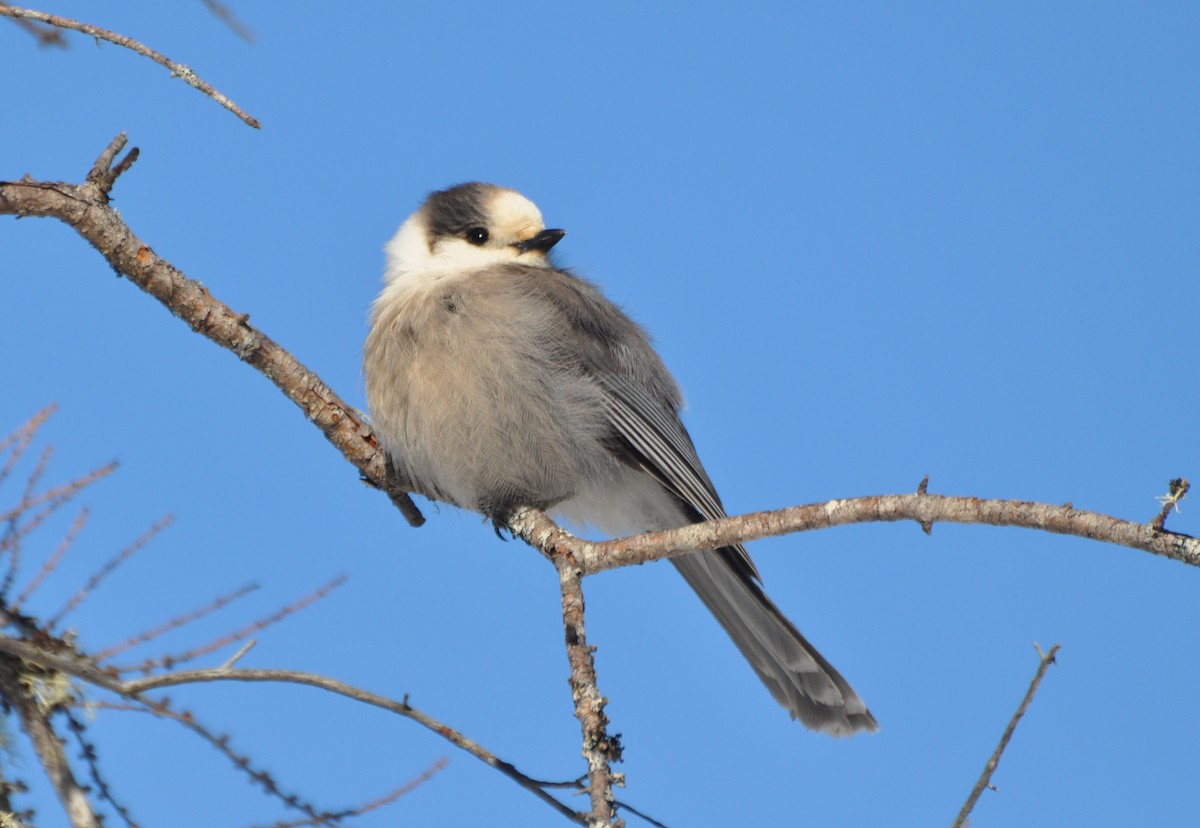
(657, 441)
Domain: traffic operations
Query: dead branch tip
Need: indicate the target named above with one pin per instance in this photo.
(125, 163)
(1177, 490)
(104, 159)
(104, 172)
(391, 485)
(407, 508)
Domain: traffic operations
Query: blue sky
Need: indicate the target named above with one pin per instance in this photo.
(872, 243)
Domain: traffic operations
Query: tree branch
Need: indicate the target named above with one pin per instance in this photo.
(599, 749)
(85, 208)
(178, 70)
(985, 778)
(539, 531)
(108, 680)
(36, 724)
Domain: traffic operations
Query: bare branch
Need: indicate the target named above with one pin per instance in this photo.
(988, 769)
(542, 533)
(68, 664)
(175, 623)
(239, 655)
(14, 689)
(262, 778)
(54, 498)
(21, 438)
(246, 631)
(51, 563)
(401, 708)
(85, 207)
(375, 804)
(600, 749)
(11, 542)
(178, 70)
(87, 751)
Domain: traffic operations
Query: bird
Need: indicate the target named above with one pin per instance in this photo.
(497, 380)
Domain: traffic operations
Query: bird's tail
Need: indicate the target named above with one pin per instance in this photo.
(797, 675)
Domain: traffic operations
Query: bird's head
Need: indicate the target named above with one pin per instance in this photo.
(467, 227)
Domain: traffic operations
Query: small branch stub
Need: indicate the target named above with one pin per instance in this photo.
(923, 488)
(1176, 491)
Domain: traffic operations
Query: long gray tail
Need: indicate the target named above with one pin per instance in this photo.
(797, 675)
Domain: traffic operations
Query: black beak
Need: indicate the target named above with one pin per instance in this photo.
(542, 242)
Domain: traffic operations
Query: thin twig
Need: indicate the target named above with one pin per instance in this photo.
(625, 806)
(87, 752)
(21, 438)
(985, 778)
(178, 70)
(239, 655)
(11, 542)
(52, 562)
(375, 804)
(52, 499)
(402, 708)
(175, 623)
(238, 635)
(260, 777)
(108, 568)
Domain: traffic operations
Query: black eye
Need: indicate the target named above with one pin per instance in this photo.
(477, 235)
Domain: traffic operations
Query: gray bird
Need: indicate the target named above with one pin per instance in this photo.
(496, 380)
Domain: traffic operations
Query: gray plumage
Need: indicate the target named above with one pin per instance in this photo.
(496, 380)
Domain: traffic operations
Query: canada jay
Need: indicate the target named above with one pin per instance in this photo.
(496, 380)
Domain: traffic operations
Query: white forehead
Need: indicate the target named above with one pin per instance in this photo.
(514, 215)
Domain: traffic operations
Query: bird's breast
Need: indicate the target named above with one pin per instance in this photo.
(471, 399)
